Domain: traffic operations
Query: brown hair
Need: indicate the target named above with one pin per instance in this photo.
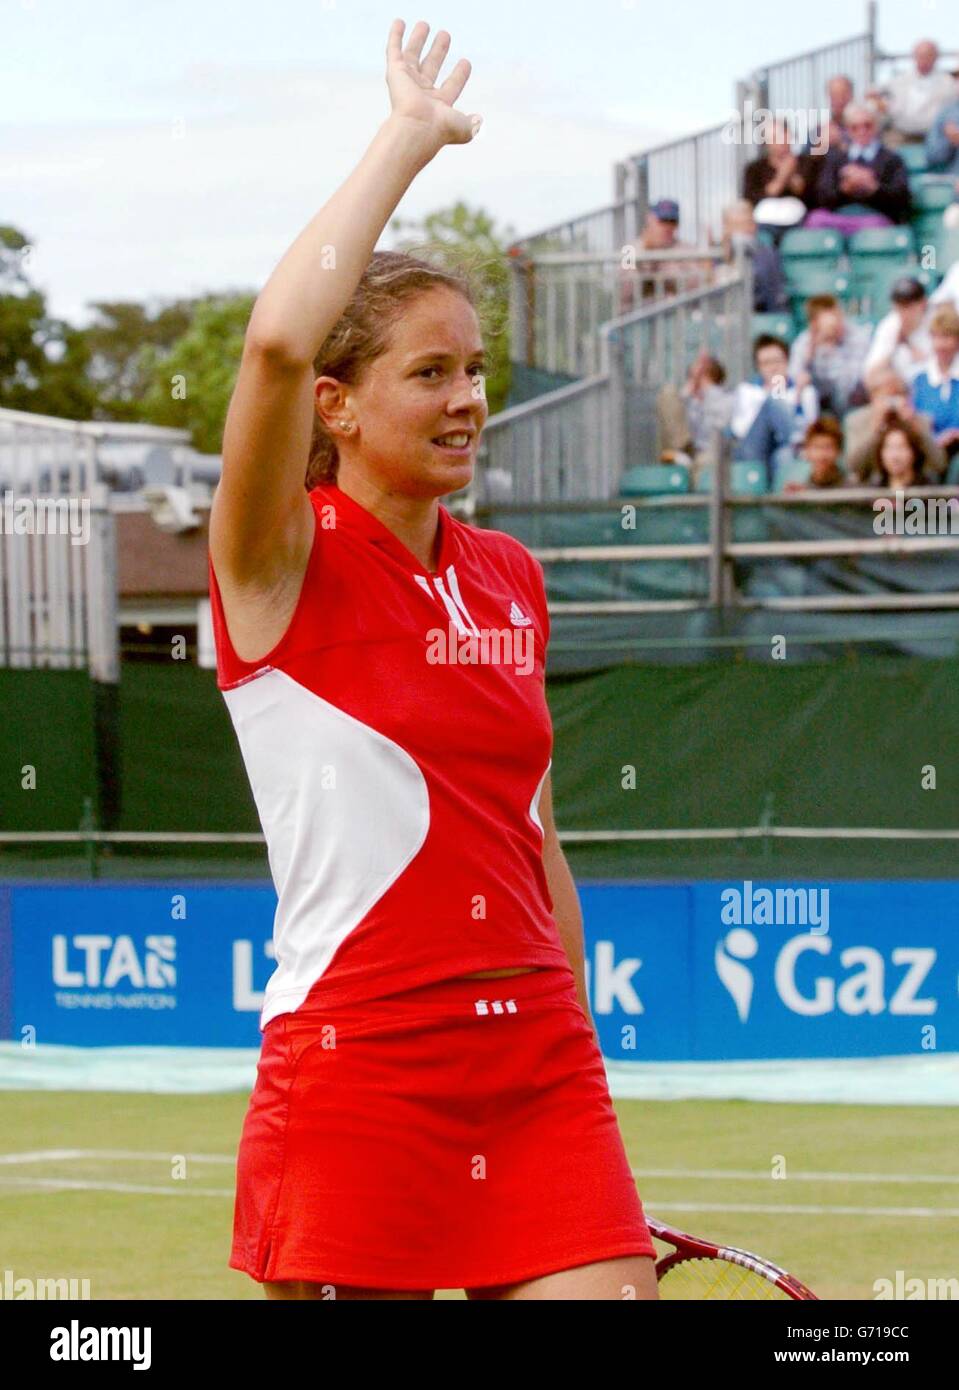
(362, 333)
(895, 424)
(827, 425)
(818, 304)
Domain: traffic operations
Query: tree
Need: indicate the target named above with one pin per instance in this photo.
(43, 361)
(191, 383)
(465, 239)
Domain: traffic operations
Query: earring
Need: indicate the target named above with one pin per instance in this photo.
(346, 426)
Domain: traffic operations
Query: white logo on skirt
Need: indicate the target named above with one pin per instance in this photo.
(496, 1006)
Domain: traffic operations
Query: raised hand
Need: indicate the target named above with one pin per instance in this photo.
(412, 93)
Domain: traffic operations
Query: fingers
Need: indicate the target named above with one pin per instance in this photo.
(456, 81)
(434, 60)
(414, 46)
(394, 42)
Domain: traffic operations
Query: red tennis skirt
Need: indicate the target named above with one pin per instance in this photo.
(459, 1135)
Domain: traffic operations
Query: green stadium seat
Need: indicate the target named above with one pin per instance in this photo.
(780, 325)
(652, 479)
(914, 158)
(811, 244)
(810, 280)
(893, 242)
(931, 192)
(952, 475)
(745, 477)
(792, 470)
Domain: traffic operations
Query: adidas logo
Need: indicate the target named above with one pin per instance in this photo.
(517, 617)
(496, 1006)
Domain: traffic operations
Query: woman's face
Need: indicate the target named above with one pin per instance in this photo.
(428, 383)
(897, 458)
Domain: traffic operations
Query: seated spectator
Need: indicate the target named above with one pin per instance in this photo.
(692, 420)
(657, 279)
(769, 282)
(911, 100)
(888, 400)
(776, 183)
(942, 142)
(770, 412)
(897, 459)
(901, 339)
(822, 449)
(866, 186)
(839, 94)
(830, 353)
(935, 389)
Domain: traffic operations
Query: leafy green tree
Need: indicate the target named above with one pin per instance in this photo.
(43, 361)
(191, 383)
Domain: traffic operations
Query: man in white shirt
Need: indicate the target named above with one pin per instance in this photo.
(948, 291)
(912, 100)
(901, 339)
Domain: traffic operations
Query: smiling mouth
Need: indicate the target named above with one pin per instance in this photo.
(456, 442)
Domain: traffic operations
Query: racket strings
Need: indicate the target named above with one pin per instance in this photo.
(696, 1279)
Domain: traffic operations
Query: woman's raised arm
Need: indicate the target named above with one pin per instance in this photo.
(261, 514)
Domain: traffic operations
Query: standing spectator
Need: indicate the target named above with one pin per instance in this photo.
(830, 353)
(822, 448)
(912, 100)
(948, 291)
(901, 339)
(935, 390)
(888, 399)
(942, 142)
(839, 93)
(776, 182)
(657, 278)
(771, 412)
(769, 282)
(868, 186)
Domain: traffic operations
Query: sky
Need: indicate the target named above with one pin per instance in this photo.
(156, 148)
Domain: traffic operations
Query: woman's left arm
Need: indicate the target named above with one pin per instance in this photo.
(562, 890)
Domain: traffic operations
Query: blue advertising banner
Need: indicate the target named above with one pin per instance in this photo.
(676, 972)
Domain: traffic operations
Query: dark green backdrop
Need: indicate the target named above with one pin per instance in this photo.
(837, 744)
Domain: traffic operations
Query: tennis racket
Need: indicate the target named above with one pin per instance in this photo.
(697, 1269)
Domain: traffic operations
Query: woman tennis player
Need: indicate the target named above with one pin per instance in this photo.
(431, 1107)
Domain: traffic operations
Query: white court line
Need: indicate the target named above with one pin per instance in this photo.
(772, 1209)
(758, 1174)
(717, 1174)
(51, 1155)
(742, 1208)
(78, 1185)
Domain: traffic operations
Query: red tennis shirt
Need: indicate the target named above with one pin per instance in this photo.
(397, 739)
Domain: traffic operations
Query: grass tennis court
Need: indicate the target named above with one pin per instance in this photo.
(869, 1190)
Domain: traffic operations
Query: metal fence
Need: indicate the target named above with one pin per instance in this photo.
(703, 171)
(562, 299)
(575, 443)
(58, 563)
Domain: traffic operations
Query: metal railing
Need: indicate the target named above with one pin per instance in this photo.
(58, 550)
(575, 443)
(703, 171)
(719, 552)
(562, 299)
